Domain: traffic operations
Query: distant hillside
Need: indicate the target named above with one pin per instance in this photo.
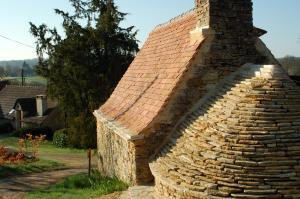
(19, 63)
(14, 68)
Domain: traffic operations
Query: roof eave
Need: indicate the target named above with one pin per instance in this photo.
(117, 128)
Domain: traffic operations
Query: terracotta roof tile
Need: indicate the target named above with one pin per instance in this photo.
(153, 75)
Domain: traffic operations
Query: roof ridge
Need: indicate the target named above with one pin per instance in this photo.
(175, 19)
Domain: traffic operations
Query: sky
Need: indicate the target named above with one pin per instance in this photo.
(281, 18)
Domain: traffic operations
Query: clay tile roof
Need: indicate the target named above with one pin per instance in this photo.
(153, 75)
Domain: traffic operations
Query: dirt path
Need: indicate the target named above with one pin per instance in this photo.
(70, 160)
(15, 187)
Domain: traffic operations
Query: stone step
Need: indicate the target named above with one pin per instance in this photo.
(139, 192)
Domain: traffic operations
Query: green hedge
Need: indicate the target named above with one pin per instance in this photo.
(60, 138)
(34, 131)
(5, 128)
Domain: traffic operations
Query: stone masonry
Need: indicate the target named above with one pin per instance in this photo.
(242, 140)
(181, 61)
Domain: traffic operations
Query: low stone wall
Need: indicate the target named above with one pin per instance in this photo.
(168, 189)
(115, 155)
(121, 154)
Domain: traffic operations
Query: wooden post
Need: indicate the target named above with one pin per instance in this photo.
(89, 153)
(22, 74)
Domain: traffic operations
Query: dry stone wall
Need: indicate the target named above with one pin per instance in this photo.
(115, 154)
(121, 156)
(229, 43)
(240, 141)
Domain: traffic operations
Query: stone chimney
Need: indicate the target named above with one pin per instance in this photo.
(230, 22)
(226, 16)
(41, 104)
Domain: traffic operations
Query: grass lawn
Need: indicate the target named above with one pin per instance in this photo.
(31, 167)
(80, 187)
(51, 158)
(46, 147)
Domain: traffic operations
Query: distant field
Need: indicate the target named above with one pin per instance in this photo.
(36, 80)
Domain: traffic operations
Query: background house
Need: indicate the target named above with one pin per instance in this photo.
(28, 106)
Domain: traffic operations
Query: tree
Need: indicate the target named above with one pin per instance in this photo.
(83, 67)
(28, 71)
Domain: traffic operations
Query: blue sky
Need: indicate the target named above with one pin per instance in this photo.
(280, 18)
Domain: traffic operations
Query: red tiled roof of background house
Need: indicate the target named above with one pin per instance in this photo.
(153, 75)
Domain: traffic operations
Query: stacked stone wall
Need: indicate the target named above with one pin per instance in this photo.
(229, 44)
(115, 154)
(241, 141)
(296, 79)
(120, 156)
(197, 82)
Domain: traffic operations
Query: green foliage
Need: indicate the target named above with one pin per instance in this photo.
(46, 149)
(81, 131)
(5, 128)
(60, 138)
(34, 131)
(93, 181)
(80, 186)
(83, 68)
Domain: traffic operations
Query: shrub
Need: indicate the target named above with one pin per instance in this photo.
(60, 138)
(5, 128)
(94, 181)
(35, 142)
(35, 131)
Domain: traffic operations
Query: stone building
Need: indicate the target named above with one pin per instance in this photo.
(175, 77)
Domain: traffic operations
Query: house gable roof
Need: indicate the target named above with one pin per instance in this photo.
(28, 105)
(11, 93)
(153, 75)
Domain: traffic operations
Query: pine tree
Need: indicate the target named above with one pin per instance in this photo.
(84, 66)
